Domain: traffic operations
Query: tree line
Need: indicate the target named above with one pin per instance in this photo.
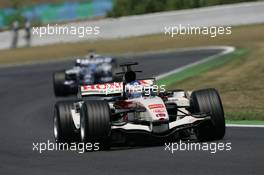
(135, 7)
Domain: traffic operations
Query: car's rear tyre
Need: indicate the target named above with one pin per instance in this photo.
(64, 128)
(95, 123)
(58, 83)
(208, 101)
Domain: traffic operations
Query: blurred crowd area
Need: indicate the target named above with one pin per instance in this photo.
(10, 3)
(41, 12)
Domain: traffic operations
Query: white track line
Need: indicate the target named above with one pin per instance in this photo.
(244, 126)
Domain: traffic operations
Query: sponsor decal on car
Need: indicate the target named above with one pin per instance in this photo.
(100, 87)
(153, 106)
(106, 88)
(158, 110)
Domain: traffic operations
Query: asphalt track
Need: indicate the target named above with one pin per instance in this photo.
(26, 103)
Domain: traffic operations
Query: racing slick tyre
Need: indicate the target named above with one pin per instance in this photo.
(95, 123)
(64, 128)
(208, 101)
(58, 83)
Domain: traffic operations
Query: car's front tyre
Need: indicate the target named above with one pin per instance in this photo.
(208, 101)
(64, 128)
(95, 124)
(58, 83)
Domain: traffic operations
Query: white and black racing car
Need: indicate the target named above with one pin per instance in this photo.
(89, 70)
(109, 114)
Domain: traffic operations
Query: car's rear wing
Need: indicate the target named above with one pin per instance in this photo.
(113, 88)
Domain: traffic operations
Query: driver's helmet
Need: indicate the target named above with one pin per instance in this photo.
(134, 89)
(92, 55)
(78, 63)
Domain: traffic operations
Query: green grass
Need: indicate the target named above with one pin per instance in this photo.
(238, 117)
(200, 68)
(247, 122)
(244, 115)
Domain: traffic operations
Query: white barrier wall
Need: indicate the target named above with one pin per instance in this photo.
(235, 14)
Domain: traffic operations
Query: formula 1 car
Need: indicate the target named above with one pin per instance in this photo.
(109, 114)
(89, 70)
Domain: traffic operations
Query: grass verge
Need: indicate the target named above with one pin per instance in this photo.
(239, 81)
(200, 68)
(245, 122)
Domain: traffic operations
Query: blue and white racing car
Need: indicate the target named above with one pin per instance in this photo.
(89, 70)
